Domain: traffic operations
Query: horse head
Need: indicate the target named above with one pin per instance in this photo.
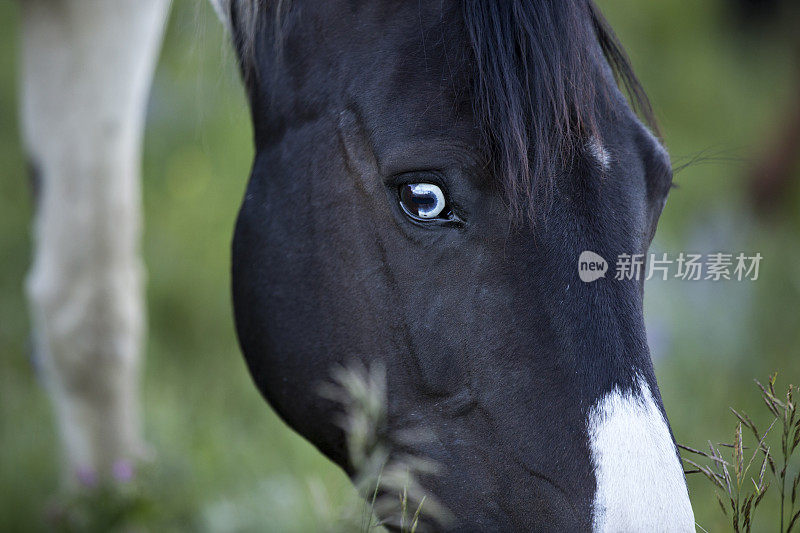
(426, 176)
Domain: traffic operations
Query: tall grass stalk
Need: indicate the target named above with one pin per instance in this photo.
(387, 479)
(739, 494)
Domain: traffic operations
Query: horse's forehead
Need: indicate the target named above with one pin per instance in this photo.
(403, 68)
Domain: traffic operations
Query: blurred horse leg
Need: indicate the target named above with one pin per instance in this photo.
(86, 70)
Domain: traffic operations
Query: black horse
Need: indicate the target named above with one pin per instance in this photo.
(426, 176)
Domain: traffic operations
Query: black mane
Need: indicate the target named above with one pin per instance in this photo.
(537, 92)
(536, 89)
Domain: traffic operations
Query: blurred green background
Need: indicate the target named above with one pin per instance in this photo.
(224, 460)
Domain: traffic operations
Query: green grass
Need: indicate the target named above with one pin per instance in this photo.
(224, 460)
(218, 445)
(742, 470)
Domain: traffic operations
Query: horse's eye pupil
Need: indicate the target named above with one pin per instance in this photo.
(423, 201)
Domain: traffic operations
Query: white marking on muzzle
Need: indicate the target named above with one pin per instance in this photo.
(640, 481)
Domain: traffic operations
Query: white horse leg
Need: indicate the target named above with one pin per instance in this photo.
(86, 71)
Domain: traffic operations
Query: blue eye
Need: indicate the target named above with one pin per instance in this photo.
(422, 201)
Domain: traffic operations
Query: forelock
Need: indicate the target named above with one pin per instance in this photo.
(537, 89)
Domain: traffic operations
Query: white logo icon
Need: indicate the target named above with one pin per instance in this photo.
(591, 266)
